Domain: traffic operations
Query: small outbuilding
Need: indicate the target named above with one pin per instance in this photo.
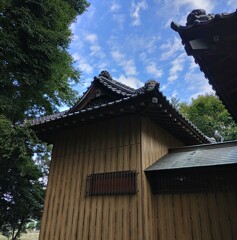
(112, 175)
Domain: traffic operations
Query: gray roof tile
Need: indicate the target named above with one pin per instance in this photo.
(197, 156)
(130, 94)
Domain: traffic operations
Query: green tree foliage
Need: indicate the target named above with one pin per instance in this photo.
(211, 117)
(36, 71)
(21, 192)
(36, 77)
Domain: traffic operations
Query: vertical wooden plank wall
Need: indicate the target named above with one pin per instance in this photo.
(196, 216)
(112, 145)
(155, 144)
(128, 143)
(207, 216)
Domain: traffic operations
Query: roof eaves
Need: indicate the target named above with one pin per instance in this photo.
(186, 121)
(66, 114)
(186, 33)
(181, 123)
(48, 118)
(202, 19)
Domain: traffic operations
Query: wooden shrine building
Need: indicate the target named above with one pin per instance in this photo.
(126, 165)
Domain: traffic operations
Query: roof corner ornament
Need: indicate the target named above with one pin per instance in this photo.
(197, 16)
(175, 26)
(106, 75)
(151, 85)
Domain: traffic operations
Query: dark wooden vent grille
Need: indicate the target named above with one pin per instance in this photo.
(112, 183)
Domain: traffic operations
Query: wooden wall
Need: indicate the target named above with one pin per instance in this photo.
(129, 143)
(113, 145)
(197, 216)
(155, 144)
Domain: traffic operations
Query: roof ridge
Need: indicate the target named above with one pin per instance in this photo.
(104, 75)
(151, 89)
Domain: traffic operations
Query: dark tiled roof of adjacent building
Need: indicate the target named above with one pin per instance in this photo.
(199, 18)
(212, 40)
(148, 101)
(197, 156)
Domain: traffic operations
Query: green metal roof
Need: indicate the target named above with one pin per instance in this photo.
(197, 156)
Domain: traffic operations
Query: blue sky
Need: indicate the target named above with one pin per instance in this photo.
(134, 42)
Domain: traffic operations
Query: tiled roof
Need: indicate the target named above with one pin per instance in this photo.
(199, 18)
(104, 78)
(197, 156)
(116, 86)
(212, 40)
(48, 118)
(64, 114)
(125, 91)
(147, 100)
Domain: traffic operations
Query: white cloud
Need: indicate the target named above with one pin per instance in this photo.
(143, 57)
(151, 43)
(192, 64)
(136, 43)
(85, 67)
(136, 11)
(72, 27)
(76, 42)
(119, 18)
(152, 69)
(102, 66)
(177, 66)
(170, 48)
(130, 81)
(117, 56)
(163, 87)
(82, 64)
(91, 38)
(96, 51)
(177, 5)
(208, 5)
(115, 7)
(95, 48)
(128, 65)
(231, 2)
(197, 84)
(178, 10)
(76, 56)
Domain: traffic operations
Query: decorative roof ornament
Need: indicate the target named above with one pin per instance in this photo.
(106, 98)
(197, 16)
(200, 17)
(106, 75)
(151, 85)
